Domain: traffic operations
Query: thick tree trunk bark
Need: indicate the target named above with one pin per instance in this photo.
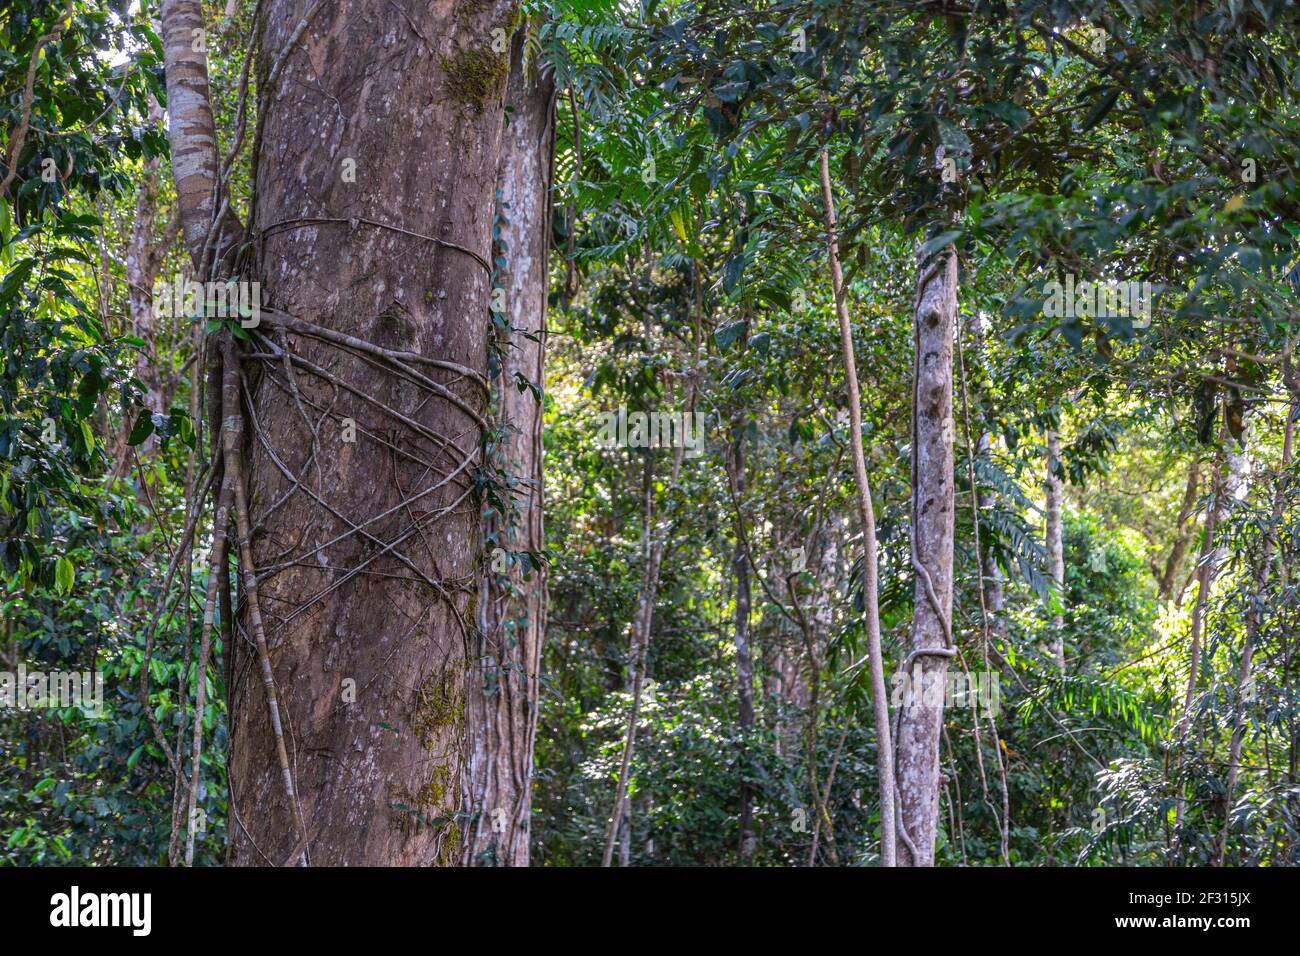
(1056, 545)
(376, 169)
(921, 712)
(503, 688)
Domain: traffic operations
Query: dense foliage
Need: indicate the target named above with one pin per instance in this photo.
(1147, 141)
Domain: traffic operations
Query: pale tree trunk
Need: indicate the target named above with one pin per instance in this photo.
(744, 653)
(193, 139)
(211, 234)
(785, 685)
(886, 775)
(815, 655)
(377, 163)
(1254, 622)
(503, 687)
(1235, 488)
(991, 596)
(921, 712)
(1182, 535)
(625, 837)
(144, 259)
(990, 572)
(1056, 544)
(816, 622)
(1205, 571)
(652, 551)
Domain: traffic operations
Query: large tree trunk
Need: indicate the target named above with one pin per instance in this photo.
(921, 712)
(376, 169)
(1056, 544)
(503, 689)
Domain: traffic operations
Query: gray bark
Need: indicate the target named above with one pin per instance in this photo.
(653, 531)
(1183, 533)
(921, 712)
(1254, 623)
(990, 572)
(1206, 568)
(744, 653)
(1056, 545)
(193, 138)
(503, 688)
(368, 551)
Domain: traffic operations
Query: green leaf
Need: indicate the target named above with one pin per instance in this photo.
(732, 270)
(678, 219)
(142, 429)
(64, 575)
(939, 242)
(727, 334)
(1099, 111)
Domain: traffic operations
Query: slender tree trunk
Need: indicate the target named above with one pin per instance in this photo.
(195, 173)
(1254, 622)
(990, 572)
(625, 836)
(1056, 544)
(990, 594)
(377, 162)
(503, 689)
(193, 139)
(652, 555)
(1183, 533)
(1205, 570)
(921, 712)
(744, 653)
(144, 259)
(867, 516)
(217, 579)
